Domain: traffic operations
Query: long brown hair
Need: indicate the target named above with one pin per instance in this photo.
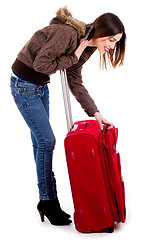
(107, 25)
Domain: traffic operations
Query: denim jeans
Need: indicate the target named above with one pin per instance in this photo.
(32, 101)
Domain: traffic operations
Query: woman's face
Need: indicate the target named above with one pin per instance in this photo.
(105, 43)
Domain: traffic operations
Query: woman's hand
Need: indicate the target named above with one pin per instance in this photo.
(81, 47)
(101, 120)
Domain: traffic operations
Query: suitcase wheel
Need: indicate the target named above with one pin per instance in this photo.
(109, 230)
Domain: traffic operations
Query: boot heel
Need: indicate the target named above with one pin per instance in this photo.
(41, 216)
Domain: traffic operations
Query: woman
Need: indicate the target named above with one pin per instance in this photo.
(65, 44)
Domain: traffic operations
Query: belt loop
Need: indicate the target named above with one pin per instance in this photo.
(16, 82)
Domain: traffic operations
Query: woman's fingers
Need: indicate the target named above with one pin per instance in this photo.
(101, 120)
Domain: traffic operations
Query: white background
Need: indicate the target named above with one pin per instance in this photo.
(127, 96)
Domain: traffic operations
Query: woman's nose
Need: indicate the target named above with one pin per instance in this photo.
(112, 45)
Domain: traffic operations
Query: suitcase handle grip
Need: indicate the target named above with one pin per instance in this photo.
(83, 126)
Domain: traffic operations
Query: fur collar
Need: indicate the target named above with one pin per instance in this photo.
(65, 16)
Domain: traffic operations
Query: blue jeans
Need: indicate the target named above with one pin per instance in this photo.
(32, 101)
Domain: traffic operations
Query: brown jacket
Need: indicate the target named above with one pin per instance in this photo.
(52, 48)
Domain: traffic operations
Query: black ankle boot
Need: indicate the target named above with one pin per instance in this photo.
(59, 207)
(53, 212)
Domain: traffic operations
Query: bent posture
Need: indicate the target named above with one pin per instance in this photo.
(65, 44)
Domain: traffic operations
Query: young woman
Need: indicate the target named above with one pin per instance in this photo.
(65, 44)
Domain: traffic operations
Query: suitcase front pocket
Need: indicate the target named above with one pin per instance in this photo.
(114, 172)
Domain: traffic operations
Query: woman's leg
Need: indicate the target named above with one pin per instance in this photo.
(28, 98)
(45, 102)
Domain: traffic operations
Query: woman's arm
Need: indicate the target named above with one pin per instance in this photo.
(74, 77)
(81, 94)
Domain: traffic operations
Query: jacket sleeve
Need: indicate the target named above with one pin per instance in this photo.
(57, 53)
(75, 83)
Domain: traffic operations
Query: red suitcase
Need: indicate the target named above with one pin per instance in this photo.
(95, 173)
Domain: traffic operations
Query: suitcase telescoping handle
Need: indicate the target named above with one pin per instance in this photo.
(66, 98)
